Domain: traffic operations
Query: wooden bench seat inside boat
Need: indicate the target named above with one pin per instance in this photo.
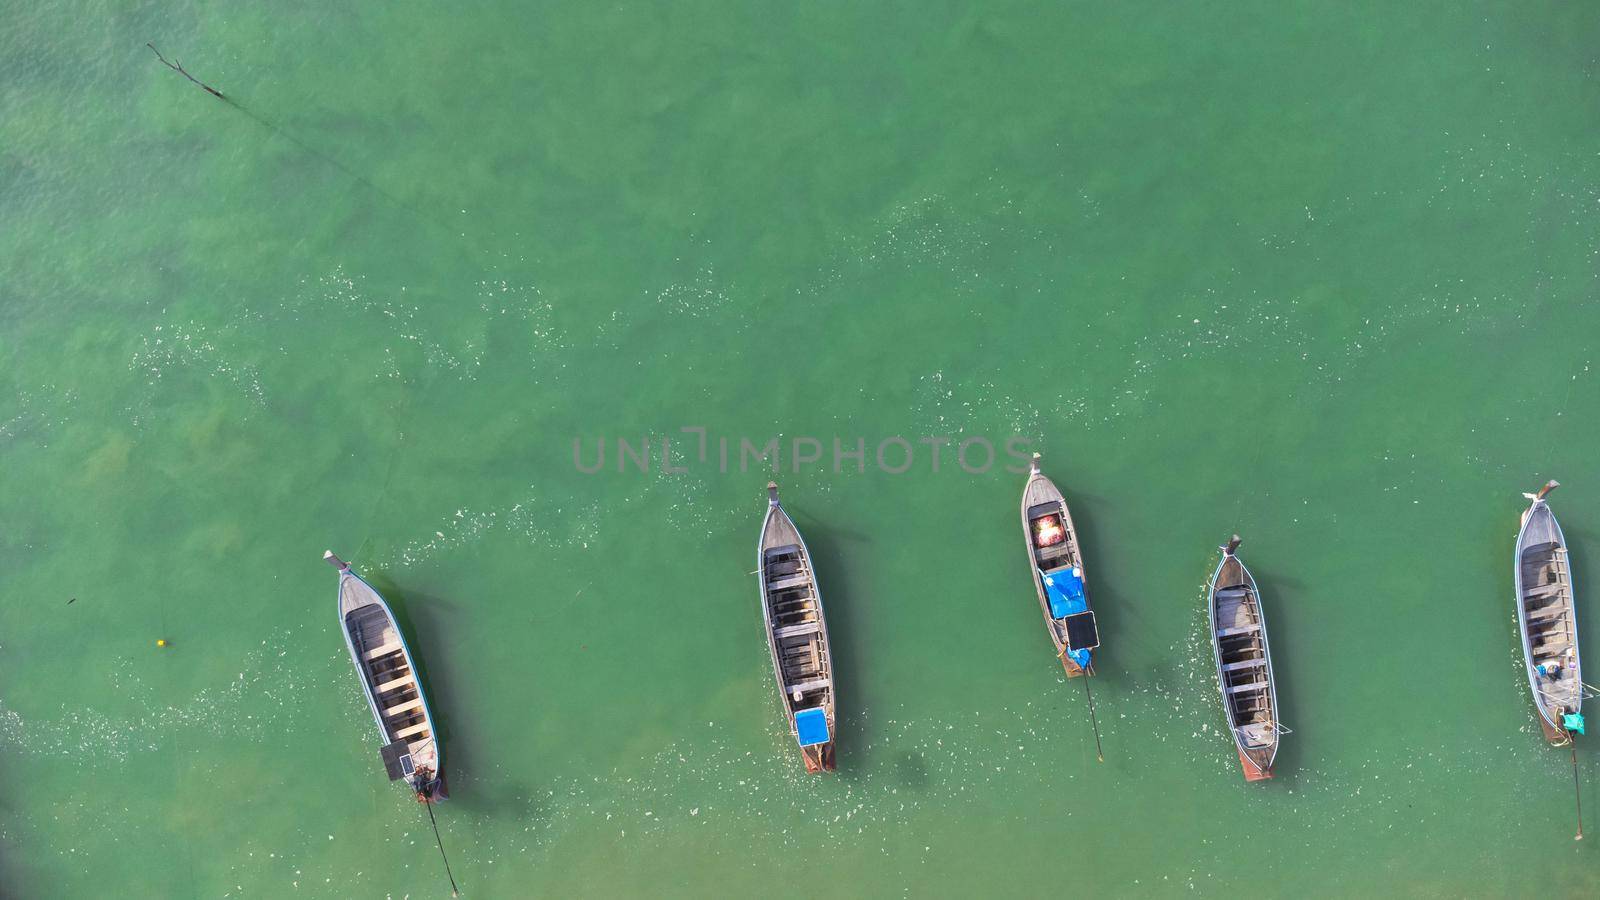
(416, 729)
(402, 681)
(805, 687)
(789, 582)
(1048, 556)
(783, 567)
(797, 599)
(385, 650)
(1542, 590)
(415, 703)
(800, 655)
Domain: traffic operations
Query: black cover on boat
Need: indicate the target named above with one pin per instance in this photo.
(1082, 632)
(397, 760)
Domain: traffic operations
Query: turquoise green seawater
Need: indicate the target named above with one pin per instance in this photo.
(1324, 274)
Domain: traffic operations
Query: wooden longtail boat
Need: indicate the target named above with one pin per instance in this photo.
(1548, 619)
(389, 681)
(1057, 567)
(1244, 664)
(797, 633)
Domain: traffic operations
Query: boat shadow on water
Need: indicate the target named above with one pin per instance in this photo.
(829, 557)
(1588, 613)
(1279, 594)
(1579, 539)
(1112, 605)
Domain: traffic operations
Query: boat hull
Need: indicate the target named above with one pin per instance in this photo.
(819, 758)
(391, 684)
(1547, 619)
(1041, 498)
(797, 635)
(1243, 656)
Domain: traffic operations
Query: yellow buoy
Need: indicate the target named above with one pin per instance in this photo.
(161, 642)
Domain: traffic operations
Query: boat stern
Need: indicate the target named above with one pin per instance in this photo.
(1254, 771)
(1558, 737)
(1073, 669)
(818, 758)
(815, 733)
(430, 786)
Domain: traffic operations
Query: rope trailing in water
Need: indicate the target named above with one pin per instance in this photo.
(455, 233)
(1576, 793)
(1089, 695)
(1093, 723)
(454, 891)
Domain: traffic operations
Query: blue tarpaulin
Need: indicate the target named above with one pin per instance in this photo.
(1064, 590)
(812, 726)
(1572, 722)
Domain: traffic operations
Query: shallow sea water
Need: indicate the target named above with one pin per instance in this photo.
(1321, 275)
